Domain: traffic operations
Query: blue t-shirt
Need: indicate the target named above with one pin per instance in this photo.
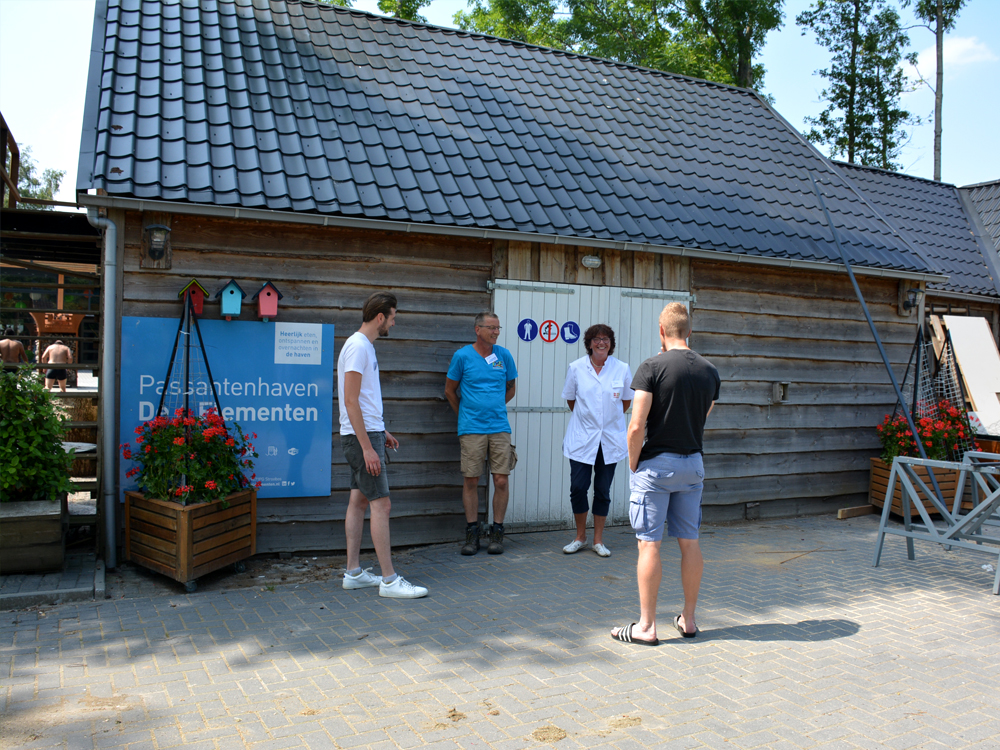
(482, 409)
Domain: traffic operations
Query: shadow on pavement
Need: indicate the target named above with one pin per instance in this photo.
(805, 631)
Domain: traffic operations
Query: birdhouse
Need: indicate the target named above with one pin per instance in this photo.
(267, 301)
(198, 294)
(231, 296)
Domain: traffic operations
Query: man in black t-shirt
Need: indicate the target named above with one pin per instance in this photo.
(674, 393)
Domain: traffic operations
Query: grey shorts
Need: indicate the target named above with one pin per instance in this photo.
(371, 487)
(666, 490)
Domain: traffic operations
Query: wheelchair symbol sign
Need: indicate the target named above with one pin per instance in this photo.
(571, 332)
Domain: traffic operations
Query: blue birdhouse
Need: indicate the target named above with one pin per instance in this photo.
(267, 301)
(231, 296)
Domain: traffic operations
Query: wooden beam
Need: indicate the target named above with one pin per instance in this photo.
(859, 510)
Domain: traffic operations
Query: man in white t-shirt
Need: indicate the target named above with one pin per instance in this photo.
(365, 439)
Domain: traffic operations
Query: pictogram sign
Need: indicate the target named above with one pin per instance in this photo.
(549, 331)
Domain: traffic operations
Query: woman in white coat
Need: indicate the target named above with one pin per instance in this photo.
(598, 390)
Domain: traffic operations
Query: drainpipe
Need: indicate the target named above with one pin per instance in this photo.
(109, 328)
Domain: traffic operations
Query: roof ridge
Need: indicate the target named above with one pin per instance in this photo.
(527, 45)
(865, 167)
(988, 183)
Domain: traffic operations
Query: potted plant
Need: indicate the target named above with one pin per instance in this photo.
(197, 510)
(945, 435)
(34, 476)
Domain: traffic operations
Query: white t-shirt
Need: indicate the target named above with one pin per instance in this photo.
(358, 355)
(597, 419)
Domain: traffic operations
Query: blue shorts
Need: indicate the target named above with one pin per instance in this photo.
(666, 489)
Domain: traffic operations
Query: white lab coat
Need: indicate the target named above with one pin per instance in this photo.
(597, 420)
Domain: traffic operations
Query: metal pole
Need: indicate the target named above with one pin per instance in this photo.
(108, 396)
(208, 370)
(170, 367)
(878, 339)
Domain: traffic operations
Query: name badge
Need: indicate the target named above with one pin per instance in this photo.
(491, 359)
(616, 390)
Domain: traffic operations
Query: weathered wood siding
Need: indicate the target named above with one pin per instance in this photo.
(759, 326)
(325, 275)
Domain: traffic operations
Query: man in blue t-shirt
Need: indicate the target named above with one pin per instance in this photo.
(480, 382)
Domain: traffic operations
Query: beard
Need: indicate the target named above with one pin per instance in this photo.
(383, 331)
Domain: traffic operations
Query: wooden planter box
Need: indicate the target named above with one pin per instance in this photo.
(878, 485)
(185, 542)
(32, 536)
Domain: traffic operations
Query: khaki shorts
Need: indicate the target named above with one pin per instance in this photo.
(475, 449)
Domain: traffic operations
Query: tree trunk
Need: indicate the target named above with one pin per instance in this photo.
(938, 90)
(851, 125)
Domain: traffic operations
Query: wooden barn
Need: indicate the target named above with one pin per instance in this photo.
(335, 153)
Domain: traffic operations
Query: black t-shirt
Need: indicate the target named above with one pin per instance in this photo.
(684, 384)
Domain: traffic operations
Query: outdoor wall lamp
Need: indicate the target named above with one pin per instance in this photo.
(156, 238)
(591, 261)
(912, 298)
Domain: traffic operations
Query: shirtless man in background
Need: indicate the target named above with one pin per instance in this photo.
(11, 351)
(57, 354)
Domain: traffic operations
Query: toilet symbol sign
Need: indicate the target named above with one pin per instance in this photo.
(549, 331)
(571, 332)
(527, 329)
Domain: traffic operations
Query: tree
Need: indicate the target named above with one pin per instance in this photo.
(943, 14)
(29, 185)
(528, 21)
(711, 39)
(863, 119)
(405, 9)
(738, 28)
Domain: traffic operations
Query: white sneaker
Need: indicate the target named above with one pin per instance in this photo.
(601, 550)
(363, 580)
(575, 546)
(401, 589)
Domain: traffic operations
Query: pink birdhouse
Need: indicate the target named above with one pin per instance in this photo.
(198, 294)
(267, 301)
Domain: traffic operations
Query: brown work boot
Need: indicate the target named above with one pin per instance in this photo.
(471, 540)
(496, 540)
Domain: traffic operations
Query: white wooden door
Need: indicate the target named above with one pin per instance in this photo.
(538, 414)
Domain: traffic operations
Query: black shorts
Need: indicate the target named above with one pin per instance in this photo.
(55, 374)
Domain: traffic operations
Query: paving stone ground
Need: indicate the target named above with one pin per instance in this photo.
(803, 645)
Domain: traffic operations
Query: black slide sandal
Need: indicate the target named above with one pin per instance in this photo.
(625, 636)
(677, 624)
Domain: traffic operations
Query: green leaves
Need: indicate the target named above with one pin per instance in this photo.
(864, 120)
(33, 464)
(29, 185)
(711, 39)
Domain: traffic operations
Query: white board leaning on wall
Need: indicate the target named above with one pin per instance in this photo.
(977, 356)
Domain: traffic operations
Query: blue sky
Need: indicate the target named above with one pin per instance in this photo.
(45, 44)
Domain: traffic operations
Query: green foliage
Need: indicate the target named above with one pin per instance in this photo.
(33, 464)
(528, 21)
(926, 10)
(711, 39)
(738, 28)
(190, 459)
(863, 119)
(341, 3)
(29, 185)
(405, 9)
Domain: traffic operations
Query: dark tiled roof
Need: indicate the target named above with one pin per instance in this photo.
(932, 218)
(291, 106)
(986, 198)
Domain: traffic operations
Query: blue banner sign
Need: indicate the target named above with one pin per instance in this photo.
(275, 379)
